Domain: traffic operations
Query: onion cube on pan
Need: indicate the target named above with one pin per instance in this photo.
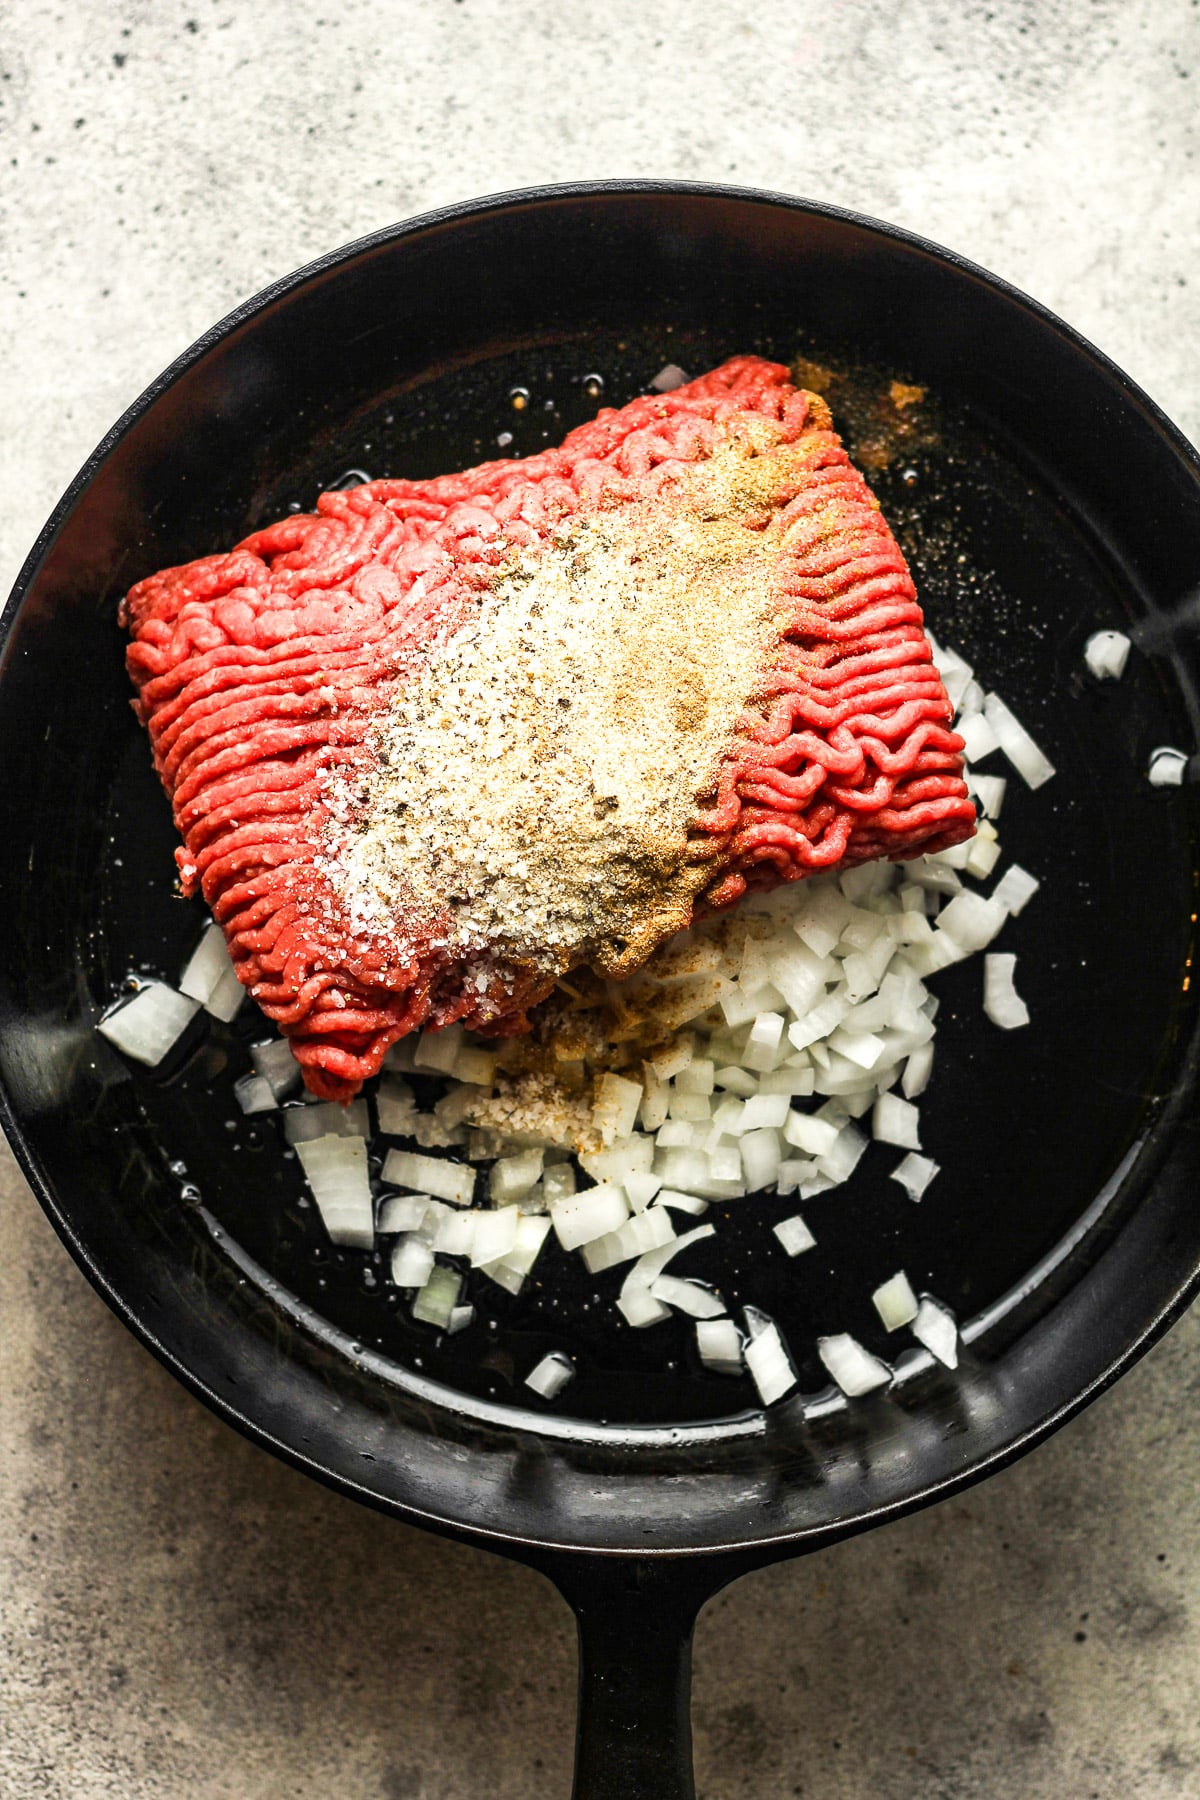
(551, 1375)
(854, 1369)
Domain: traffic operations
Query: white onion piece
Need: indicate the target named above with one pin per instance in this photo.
(895, 1302)
(639, 1308)
(854, 1369)
(972, 921)
(645, 1231)
(210, 977)
(737, 1081)
(412, 1262)
(460, 1318)
(1016, 743)
(273, 1060)
(767, 1358)
(582, 1218)
(495, 1234)
(558, 1182)
(551, 1375)
(650, 1266)
(396, 1107)
(669, 377)
(805, 1131)
(985, 853)
(914, 1173)
(765, 1111)
(640, 1189)
(763, 1042)
(896, 1121)
(336, 1171)
(402, 1212)
(688, 1203)
(719, 1343)
(616, 1107)
(689, 1297)
(917, 1070)
(1001, 1001)
(326, 1118)
(151, 1024)
(253, 1094)
(761, 1156)
(979, 738)
(990, 791)
(697, 1078)
(935, 1327)
(474, 1066)
(794, 1235)
(1015, 889)
(1167, 767)
(430, 1175)
(513, 1176)
(675, 1060)
(437, 1051)
(1106, 653)
(438, 1299)
(837, 1165)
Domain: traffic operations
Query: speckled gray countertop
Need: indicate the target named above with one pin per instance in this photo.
(183, 1616)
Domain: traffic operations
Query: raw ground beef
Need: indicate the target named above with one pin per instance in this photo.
(261, 671)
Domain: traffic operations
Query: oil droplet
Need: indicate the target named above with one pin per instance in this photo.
(909, 477)
(189, 1194)
(593, 386)
(518, 398)
(504, 439)
(178, 1169)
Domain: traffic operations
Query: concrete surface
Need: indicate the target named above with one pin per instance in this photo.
(182, 1616)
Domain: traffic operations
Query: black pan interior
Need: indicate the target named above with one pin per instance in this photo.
(1037, 500)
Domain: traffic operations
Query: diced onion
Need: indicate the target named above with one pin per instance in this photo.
(1106, 653)
(336, 1171)
(438, 1299)
(794, 1235)
(669, 377)
(1001, 1001)
(687, 1297)
(402, 1212)
(1167, 767)
(1015, 889)
(767, 1358)
(914, 1173)
(1016, 743)
(584, 1217)
(719, 1343)
(896, 1121)
(513, 1176)
(895, 1302)
(301, 1124)
(412, 1262)
(151, 1024)
(616, 1107)
(551, 1375)
(430, 1175)
(273, 1060)
(437, 1051)
(211, 978)
(253, 1094)
(854, 1369)
(935, 1327)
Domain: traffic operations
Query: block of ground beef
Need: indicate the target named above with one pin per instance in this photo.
(439, 742)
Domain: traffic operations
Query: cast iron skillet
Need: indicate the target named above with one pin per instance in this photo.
(1043, 495)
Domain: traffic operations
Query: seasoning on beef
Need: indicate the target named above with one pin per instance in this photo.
(440, 741)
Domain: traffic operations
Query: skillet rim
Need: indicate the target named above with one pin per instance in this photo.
(757, 1549)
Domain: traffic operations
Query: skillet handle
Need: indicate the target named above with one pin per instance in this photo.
(636, 1620)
